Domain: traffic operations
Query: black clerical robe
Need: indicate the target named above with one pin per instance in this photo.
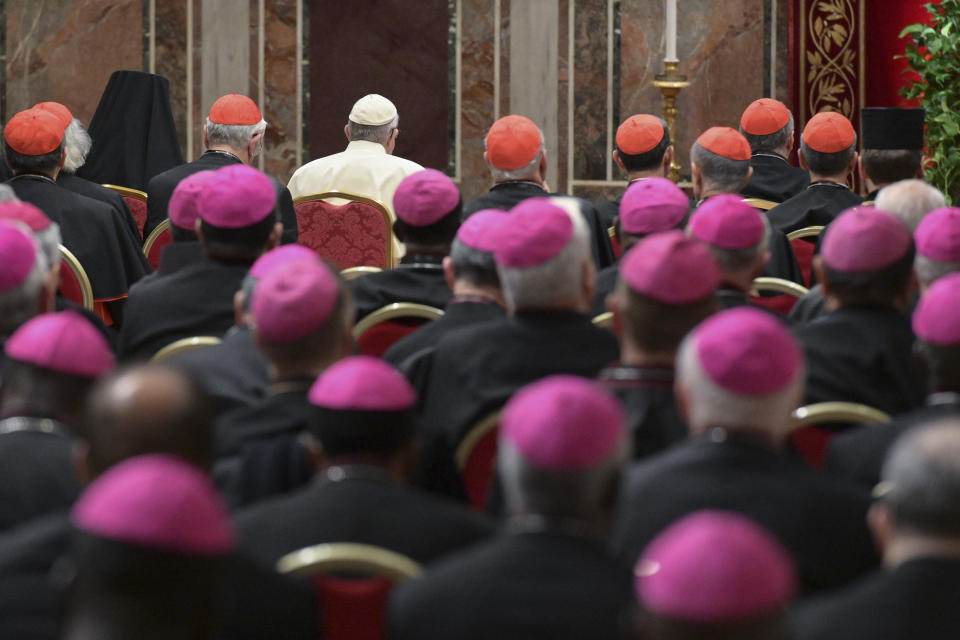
(862, 354)
(93, 190)
(822, 522)
(507, 195)
(363, 505)
(161, 188)
(194, 301)
(461, 312)
(418, 278)
(646, 394)
(817, 205)
(93, 231)
(258, 603)
(774, 178)
(917, 599)
(519, 585)
(606, 283)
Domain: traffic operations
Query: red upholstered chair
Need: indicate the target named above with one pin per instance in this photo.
(803, 242)
(378, 331)
(476, 459)
(356, 233)
(812, 426)
(136, 200)
(789, 292)
(74, 284)
(353, 583)
(614, 242)
(157, 240)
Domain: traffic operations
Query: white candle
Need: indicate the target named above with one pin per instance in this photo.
(671, 31)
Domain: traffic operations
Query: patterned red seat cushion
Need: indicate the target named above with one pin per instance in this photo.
(349, 235)
(139, 210)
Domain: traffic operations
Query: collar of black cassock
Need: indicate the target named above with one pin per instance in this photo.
(343, 431)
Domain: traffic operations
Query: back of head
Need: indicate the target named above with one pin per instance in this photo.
(713, 575)
(828, 144)
(738, 235)
(543, 255)
(740, 370)
(23, 276)
(34, 142)
(428, 207)
(233, 121)
(642, 141)
(910, 200)
(76, 140)
(373, 118)
(767, 125)
(892, 143)
(936, 324)
(513, 148)
(867, 257)
(722, 157)
(563, 445)
(237, 213)
(472, 249)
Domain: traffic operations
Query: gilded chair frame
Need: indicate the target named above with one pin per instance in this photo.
(152, 238)
(760, 203)
(127, 192)
(352, 273)
(806, 232)
(348, 556)
(477, 432)
(836, 411)
(604, 320)
(354, 197)
(184, 345)
(395, 310)
(86, 289)
(778, 285)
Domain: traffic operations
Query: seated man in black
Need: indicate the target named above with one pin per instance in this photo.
(185, 248)
(667, 286)
(427, 205)
(237, 223)
(892, 147)
(767, 125)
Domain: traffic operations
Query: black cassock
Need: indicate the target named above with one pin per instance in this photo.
(917, 599)
(862, 354)
(520, 585)
(258, 603)
(178, 255)
(507, 195)
(817, 205)
(361, 505)
(161, 188)
(418, 278)
(93, 231)
(822, 522)
(93, 190)
(646, 394)
(606, 284)
(195, 301)
(774, 178)
(460, 313)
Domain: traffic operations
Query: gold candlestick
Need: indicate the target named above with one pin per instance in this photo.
(670, 82)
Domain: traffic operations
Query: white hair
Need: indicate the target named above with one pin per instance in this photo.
(22, 303)
(560, 277)
(910, 200)
(526, 171)
(236, 136)
(929, 270)
(709, 405)
(7, 194)
(373, 133)
(49, 241)
(77, 143)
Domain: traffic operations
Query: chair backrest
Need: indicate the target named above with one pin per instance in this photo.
(355, 272)
(789, 292)
(160, 237)
(137, 202)
(760, 203)
(357, 233)
(352, 606)
(604, 320)
(868, 203)
(810, 439)
(74, 284)
(379, 330)
(614, 241)
(803, 243)
(184, 345)
(476, 459)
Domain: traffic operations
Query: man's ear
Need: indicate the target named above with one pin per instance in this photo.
(275, 234)
(63, 157)
(618, 161)
(346, 132)
(746, 180)
(860, 170)
(697, 178)
(253, 147)
(803, 162)
(854, 161)
(881, 525)
(448, 271)
(667, 160)
(206, 138)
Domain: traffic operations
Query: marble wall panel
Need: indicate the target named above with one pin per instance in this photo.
(170, 24)
(280, 106)
(66, 51)
(590, 90)
(477, 92)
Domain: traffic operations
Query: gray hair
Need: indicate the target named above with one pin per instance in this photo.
(236, 136)
(379, 133)
(475, 266)
(713, 406)
(7, 194)
(910, 200)
(719, 173)
(772, 141)
(77, 142)
(22, 303)
(922, 479)
(526, 171)
(740, 260)
(49, 241)
(559, 278)
(929, 270)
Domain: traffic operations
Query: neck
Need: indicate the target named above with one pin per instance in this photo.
(52, 174)
(427, 250)
(569, 305)
(768, 437)
(839, 179)
(242, 155)
(392, 465)
(310, 369)
(648, 173)
(905, 547)
(464, 288)
(740, 281)
(534, 179)
(633, 355)
(709, 192)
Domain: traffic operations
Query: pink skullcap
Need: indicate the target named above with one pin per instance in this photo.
(536, 231)
(563, 423)
(26, 213)
(236, 196)
(864, 239)
(652, 205)
(185, 200)
(64, 342)
(727, 222)
(747, 351)
(157, 502)
(714, 566)
(935, 320)
(362, 383)
(671, 267)
(424, 197)
(284, 254)
(479, 231)
(938, 235)
(293, 300)
(18, 255)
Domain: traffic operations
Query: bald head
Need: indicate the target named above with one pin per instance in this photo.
(151, 408)
(910, 200)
